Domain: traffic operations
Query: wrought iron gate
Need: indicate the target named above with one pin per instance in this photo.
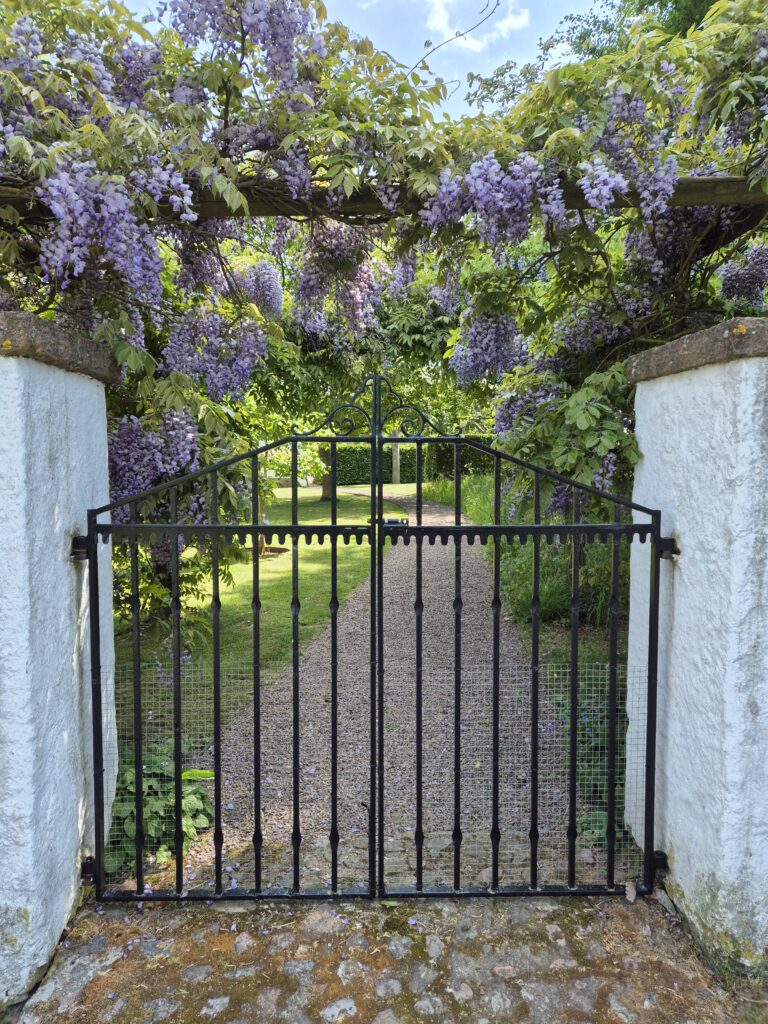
(470, 771)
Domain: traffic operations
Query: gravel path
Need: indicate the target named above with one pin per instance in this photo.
(400, 742)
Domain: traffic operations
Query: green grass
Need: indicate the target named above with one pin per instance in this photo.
(275, 592)
(476, 496)
(555, 642)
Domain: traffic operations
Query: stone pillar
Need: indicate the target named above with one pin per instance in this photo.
(53, 467)
(702, 427)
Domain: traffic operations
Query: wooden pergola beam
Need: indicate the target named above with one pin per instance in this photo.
(725, 190)
(271, 198)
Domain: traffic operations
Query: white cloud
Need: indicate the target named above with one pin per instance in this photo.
(513, 18)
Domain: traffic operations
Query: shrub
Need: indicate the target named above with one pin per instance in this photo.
(439, 460)
(592, 755)
(353, 464)
(595, 586)
(159, 809)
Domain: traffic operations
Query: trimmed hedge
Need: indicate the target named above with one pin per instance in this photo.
(353, 464)
(438, 460)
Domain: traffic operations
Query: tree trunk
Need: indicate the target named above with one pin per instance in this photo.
(395, 463)
(325, 483)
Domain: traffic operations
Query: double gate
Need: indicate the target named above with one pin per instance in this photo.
(421, 744)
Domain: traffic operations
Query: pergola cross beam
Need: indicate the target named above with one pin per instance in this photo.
(271, 198)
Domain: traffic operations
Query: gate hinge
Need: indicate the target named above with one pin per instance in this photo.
(88, 867)
(667, 547)
(660, 861)
(79, 550)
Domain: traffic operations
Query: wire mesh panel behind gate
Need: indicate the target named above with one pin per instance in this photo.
(331, 698)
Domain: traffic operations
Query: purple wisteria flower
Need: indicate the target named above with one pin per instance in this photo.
(600, 184)
(748, 278)
(140, 457)
(261, 285)
(489, 346)
(210, 350)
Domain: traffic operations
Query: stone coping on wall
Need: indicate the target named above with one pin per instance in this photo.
(26, 335)
(742, 338)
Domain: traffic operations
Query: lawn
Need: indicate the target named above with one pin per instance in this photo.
(236, 616)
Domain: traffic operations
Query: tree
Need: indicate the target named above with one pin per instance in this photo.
(605, 28)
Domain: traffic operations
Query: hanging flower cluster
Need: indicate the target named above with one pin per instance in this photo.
(216, 353)
(747, 279)
(337, 265)
(261, 285)
(489, 346)
(141, 457)
(277, 27)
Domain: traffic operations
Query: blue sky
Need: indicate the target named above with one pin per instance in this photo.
(402, 27)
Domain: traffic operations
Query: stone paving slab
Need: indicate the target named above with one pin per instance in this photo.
(483, 961)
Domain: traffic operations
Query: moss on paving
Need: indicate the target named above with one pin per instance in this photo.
(634, 956)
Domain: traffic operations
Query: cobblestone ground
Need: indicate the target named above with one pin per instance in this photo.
(474, 960)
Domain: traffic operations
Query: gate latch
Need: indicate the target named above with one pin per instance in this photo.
(668, 547)
(79, 550)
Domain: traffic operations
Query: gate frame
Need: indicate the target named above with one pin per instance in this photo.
(341, 425)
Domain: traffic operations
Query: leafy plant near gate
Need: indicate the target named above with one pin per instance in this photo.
(592, 756)
(555, 582)
(159, 809)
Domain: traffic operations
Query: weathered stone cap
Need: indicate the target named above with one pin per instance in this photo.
(26, 335)
(734, 339)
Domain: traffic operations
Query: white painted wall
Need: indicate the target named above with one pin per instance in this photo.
(704, 438)
(53, 467)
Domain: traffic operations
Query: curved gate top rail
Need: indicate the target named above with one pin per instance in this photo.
(378, 417)
(375, 412)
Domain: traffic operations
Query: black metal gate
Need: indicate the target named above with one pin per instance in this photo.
(471, 770)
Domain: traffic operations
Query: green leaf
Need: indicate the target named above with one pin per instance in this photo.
(19, 148)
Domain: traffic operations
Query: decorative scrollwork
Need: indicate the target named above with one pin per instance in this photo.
(345, 420)
(409, 421)
(365, 411)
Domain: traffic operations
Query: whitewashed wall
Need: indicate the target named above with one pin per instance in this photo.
(702, 427)
(53, 467)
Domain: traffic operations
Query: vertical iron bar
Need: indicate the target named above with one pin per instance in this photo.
(334, 835)
(96, 710)
(373, 680)
(258, 837)
(295, 609)
(535, 623)
(218, 835)
(138, 754)
(496, 612)
(178, 845)
(574, 696)
(419, 610)
(612, 704)
(650, 735)
(457, 603)
(380, 627)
